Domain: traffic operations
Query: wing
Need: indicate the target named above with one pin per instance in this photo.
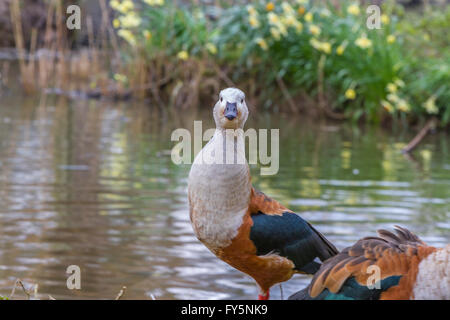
(259, 202)
(346, 275)
(278, 230)
(350, 290)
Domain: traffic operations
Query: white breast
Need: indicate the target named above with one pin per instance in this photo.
(219, 193)
(433, 278)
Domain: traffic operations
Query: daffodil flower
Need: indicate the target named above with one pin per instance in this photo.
(275, 33)
(287, 9)
(116, 23)
(128, 36)
(120, 77)
(353, 9)
(321, 46)
(130, 20)
(147, 34)
(399, 82)
(211, 48)
(363, 42)
(386, 105)
(273, 18)
(183, 55)
(251, 10)
(385, 19)
(350, 94)
(403, 106)
(262, 43)
(392, 88)
(430, 105)
(309, 17)
(253, 20)
(154, 2)
(315, 30)
(390, 38)
(393, 98)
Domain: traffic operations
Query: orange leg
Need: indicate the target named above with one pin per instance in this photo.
(264, 296)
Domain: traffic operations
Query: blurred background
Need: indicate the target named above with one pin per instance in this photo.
(86, 116)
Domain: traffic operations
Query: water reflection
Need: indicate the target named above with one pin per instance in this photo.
(92, 183)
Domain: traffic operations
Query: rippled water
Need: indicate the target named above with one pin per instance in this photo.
(92, 183)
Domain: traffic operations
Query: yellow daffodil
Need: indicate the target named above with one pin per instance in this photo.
(321, 46)
(399, 82)
(326, 47)
(122, 7)
(309, 17)
(147, 34)
(262, 43)
(430, 105)
(363, 42)
(353, 9)
(211, 48)
(127, 5)
(270, 6)
(273, 18)
(116, 23)
(128, 36)
(120, 77)
(289, 20)
(115, 4)
(251, 10)
(392, 88)
(403, 106)
(287, 9)
(130, 20)
(275, 33)
(386, 105)
(315, 30)
(154, 2)
(350, 94)
(298, 26)
(393, 98)
(314, 43)
(301, 10)
(282, 29)
(390, 38)
(385, 19)
(183, 55)
(253, 20)
(341, 48)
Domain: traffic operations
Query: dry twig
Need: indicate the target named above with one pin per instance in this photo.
(419, 137)
(121, 293)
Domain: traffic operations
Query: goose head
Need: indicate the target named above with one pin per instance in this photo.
(230, 111)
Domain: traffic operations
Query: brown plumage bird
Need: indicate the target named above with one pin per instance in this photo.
(392, 266)
(240, 225)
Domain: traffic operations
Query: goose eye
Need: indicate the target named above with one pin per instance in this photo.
(221, 99)
(242, 100)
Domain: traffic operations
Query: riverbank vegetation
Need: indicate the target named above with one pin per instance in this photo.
(308, 57)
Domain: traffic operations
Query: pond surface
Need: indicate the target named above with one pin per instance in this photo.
(92, 184)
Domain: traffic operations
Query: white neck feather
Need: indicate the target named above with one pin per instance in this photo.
(433, 278)
(219, 190)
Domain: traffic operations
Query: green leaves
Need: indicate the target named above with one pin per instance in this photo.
(288, 40)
